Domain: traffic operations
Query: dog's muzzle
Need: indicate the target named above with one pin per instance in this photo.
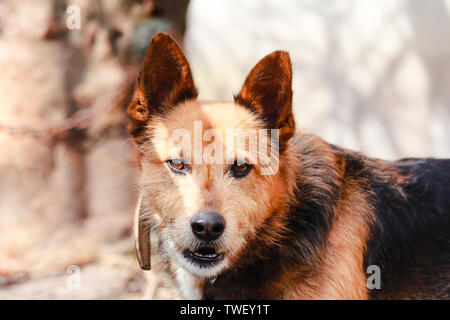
(207, 226)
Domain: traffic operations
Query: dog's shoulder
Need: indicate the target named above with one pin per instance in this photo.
(409, 213)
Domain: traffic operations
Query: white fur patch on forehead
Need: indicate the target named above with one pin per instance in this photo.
(217, 115)
(193, 124)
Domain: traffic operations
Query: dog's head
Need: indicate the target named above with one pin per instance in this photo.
(212, 173)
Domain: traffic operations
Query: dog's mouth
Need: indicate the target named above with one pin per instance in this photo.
(204, 256)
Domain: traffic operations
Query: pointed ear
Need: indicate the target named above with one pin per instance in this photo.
(267, 91)
(165, 80)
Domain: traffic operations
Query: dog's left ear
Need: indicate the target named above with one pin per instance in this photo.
(268, 92)
(165, 80)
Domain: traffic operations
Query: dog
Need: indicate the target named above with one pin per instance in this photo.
(314, 221)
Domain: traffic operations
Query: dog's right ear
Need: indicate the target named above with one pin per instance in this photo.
(165, 80)
(267, 91)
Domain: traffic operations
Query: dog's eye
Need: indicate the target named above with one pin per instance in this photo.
(240, 169)
(177, 165)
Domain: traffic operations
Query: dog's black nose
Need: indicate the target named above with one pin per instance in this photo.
(208, 226)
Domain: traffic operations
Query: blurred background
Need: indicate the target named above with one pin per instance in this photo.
(368, 75)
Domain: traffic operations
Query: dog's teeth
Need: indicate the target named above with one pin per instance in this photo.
(206, 255)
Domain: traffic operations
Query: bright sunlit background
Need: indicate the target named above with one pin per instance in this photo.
(368, 75)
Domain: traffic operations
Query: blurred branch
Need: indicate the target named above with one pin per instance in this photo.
(79, 120)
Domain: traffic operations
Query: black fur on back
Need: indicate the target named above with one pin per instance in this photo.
(411, 239)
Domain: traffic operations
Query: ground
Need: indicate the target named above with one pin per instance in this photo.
(113, 274)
